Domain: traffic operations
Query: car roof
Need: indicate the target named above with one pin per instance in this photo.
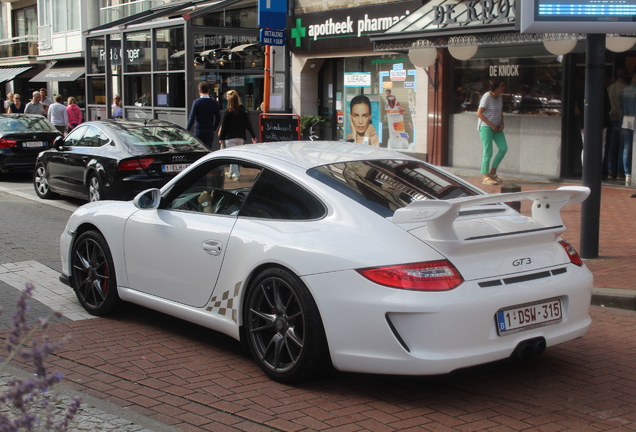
(309, 154)
(127, 124)
(20, 115)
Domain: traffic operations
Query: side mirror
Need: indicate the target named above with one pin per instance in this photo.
(148, 199)
(58, 143)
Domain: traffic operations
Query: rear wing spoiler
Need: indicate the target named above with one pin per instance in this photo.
(440, 215)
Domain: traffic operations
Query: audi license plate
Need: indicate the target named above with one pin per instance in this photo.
(172, 168)
(529, 316)
(34, 144)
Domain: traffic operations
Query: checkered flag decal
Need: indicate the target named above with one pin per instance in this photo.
(225, 304)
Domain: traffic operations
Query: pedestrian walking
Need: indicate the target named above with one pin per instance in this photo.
(205, 116)
(615, 169)
(57, 115)
(490, 124)
(35, 106)
(235, 123)
(628, 101)
(17, 107)
(74, 113)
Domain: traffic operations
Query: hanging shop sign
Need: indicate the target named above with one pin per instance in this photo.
(345, 28)
(357, 79)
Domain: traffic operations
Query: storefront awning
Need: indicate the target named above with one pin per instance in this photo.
(7, 74)
(59, 74)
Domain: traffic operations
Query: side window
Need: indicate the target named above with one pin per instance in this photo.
(90, 138)
(209, 189)
(73, 139)
(276, 197)
(103, 139)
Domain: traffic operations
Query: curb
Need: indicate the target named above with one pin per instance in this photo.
(614, 298)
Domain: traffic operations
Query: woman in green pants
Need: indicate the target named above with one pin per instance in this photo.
(491, 125)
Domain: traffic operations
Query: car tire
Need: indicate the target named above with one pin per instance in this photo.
(284, 330)
(93, 274)
(41, 183)
(95, 189)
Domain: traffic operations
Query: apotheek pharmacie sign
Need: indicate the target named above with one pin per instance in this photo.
(345, 28)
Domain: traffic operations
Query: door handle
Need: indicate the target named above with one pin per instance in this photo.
(212, 247)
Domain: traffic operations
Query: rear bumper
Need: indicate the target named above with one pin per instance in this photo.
(430, 333)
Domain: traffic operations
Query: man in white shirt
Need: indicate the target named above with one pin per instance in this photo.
(58, 116)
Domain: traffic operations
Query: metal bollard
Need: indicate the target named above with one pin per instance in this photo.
(507, 188)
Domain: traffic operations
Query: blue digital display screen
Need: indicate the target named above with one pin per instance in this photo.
(577, 16)
(585, 10)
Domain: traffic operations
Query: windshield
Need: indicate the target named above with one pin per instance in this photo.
(387, 185)
(26, 124)
(157, 135)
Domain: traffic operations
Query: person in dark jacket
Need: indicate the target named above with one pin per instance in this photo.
(205, 116)
(236, 121)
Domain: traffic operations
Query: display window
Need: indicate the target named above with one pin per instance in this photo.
(377, 106)
(533, 85)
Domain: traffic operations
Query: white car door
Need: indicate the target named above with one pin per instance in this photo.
(176, 252)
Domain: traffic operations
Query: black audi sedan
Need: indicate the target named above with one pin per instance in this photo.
(22, 137)
(115, 159)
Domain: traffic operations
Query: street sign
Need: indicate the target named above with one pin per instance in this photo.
(272, 14)
(272, 37)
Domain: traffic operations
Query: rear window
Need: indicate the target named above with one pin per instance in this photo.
(26, 124)
(157, 135)
(387, 185)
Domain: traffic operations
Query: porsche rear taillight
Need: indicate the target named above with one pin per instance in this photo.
(5, 143)
(135, 164)
(572, 253)
(426, 276)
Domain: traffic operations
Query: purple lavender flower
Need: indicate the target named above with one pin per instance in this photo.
(30, 397)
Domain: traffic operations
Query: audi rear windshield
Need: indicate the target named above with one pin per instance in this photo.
(384, 186)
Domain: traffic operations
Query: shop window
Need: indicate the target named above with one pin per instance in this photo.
(137, 53)
(533, 85)
(228, 52)
(137, 90)
(170, 49)
(97, 54)
(169, 90)
(96, 87)
(377, 106)
(239, 18)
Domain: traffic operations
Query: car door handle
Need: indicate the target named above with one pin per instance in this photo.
(212, 247)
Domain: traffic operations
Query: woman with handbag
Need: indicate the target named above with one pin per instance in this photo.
(236, 121)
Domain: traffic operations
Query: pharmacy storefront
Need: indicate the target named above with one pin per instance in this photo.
(361, 95)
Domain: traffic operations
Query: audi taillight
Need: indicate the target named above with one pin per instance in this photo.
(5, 143)
(135, 164)
(426, 276)
(572, 253)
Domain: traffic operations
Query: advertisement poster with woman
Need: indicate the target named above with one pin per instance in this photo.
(363, 119)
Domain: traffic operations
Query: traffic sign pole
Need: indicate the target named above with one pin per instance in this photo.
(267, 77)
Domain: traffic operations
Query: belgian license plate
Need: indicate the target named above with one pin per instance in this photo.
(34, 144)
(529, 316)
(172, 168)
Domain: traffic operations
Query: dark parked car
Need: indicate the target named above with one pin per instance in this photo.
(22, 137)
(115, 159)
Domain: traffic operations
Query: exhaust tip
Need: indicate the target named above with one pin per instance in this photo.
(529, 348)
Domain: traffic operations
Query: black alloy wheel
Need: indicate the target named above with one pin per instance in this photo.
(95, 189)
(93, 274)
(284, 330)
(41, 183)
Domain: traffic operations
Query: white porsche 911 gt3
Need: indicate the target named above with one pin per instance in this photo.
(334, 254)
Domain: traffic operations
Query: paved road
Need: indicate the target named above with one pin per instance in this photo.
(183, 376)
